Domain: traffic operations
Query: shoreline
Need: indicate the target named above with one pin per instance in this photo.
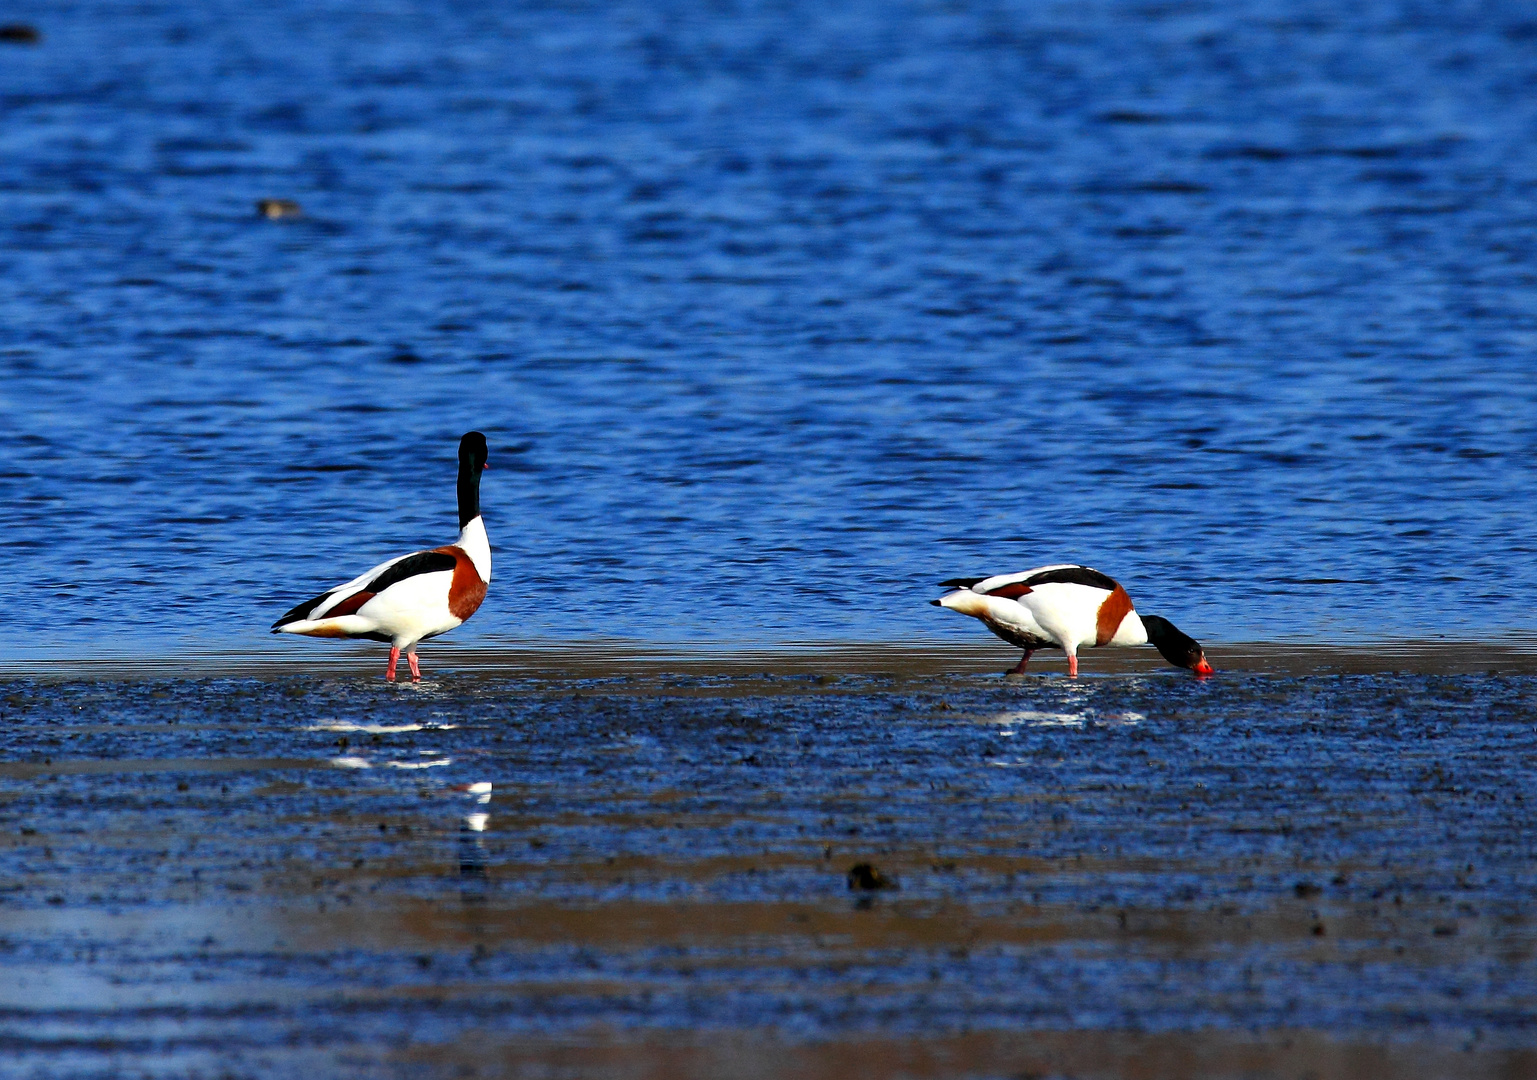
(573, 661)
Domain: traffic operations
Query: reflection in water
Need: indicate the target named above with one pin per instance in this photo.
(432, 764)
(1036, 718)
(376, 729)
(1010, 725)
(472, 844)
(357, 761)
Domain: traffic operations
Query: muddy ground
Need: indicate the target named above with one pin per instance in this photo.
(647, 875)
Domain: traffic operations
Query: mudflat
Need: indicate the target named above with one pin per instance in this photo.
(844, 872)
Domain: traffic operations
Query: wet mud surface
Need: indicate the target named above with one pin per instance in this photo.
(1134, 875)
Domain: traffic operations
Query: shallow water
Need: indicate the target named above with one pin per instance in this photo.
(1135, 875)
(775, 314)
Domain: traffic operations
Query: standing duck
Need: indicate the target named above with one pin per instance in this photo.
(1067, 607)
(415, 596)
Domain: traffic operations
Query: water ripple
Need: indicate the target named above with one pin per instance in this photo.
(774, 317)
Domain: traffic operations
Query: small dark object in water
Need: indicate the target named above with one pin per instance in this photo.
(1304, 889)
(20, 34)
(866, 877)
(273, 209)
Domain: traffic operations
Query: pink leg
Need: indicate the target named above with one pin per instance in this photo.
(1072, 665)
(389, 672)
(416, 672)
(1019, 668)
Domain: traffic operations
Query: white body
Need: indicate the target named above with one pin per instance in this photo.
(1057, 613)
(406, 612)
(1070, 616)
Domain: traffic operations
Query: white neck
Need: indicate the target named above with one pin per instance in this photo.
(472, 538)
(1130, 632)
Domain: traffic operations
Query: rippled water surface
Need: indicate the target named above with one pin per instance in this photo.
(650, 877)
(775, 314)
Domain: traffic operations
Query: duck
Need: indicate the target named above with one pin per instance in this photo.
(411, 597)
(1067, 607)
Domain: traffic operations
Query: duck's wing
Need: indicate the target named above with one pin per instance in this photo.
(346, 599)
(1069, 574)
(1017, 584)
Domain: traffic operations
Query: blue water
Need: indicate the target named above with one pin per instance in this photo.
(775, 314)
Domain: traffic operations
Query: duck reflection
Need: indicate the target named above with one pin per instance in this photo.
(472, 843)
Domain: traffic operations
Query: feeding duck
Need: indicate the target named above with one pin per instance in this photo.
(412, 597)
(1067, 607)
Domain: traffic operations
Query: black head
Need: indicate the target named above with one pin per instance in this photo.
(472, 449)
(1177, 647)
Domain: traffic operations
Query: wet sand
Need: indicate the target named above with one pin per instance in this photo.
(644, 872)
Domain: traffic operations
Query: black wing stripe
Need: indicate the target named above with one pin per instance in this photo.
(960, 582)
(423, 562)
(301, 611)
(1073, 575)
